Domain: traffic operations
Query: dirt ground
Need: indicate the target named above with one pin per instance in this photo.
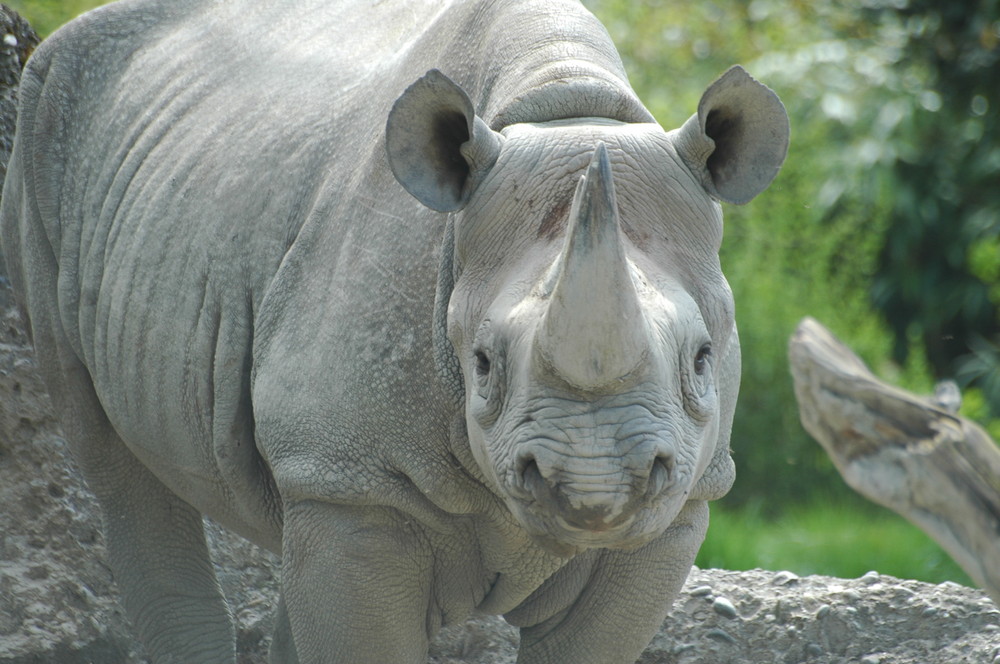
(58, 599)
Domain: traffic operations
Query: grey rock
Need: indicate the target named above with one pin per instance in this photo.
(724, 607)
(784, 577)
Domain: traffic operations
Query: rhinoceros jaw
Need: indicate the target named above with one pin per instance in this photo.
(594, 334)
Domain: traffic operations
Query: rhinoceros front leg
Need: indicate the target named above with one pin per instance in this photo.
(623, 603)
(356, 582)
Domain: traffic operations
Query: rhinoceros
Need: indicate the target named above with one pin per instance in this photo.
(416, 294)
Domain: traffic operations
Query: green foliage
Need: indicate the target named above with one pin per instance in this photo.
(938, 271)
(47, 15)
(975, 407)
(826, 538)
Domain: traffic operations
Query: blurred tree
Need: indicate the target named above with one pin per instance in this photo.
(939, 267)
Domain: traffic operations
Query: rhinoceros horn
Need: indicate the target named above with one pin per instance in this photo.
(593, 335)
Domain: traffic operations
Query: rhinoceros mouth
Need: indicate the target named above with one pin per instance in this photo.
(561, 536)
(615, 509)
(592, 501)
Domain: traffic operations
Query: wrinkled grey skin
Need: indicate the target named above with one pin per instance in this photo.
(225, 223)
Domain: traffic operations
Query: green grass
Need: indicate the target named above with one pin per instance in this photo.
(47, 15)
(830, 539)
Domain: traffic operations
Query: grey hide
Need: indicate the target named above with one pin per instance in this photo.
(416, 294)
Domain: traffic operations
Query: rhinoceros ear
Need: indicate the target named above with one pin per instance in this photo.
(738, 139)
(438, 149)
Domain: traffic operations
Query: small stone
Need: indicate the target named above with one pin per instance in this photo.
(720, 635)
(724, 607)
(682, 648)
(871, 659)
(852, 595)
(823, 611)
(10, 40)
(784, 578)
(930, 611)
(814, 650)
(38, 572)
(781, 611)
(870, 578)
(701, 591)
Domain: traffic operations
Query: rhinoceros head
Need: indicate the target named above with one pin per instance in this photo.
(587, 319)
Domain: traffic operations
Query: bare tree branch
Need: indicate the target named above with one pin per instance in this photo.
(908, 453)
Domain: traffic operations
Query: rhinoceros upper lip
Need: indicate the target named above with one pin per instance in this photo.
(543, 503)
(527, 483)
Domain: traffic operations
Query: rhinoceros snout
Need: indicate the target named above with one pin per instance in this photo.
(594, 494)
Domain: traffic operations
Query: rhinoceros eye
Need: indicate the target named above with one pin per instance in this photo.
(701, 359)
(482, 364)
(698, 390)
(488, 374)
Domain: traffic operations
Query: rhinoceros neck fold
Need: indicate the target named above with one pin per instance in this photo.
(593, 335)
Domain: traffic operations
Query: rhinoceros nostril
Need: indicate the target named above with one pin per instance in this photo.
(532, 480)
(526, 464)
(661, 474)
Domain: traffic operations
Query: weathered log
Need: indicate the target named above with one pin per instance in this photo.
(908, 453)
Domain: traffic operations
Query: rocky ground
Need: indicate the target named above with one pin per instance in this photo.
(57, 597)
